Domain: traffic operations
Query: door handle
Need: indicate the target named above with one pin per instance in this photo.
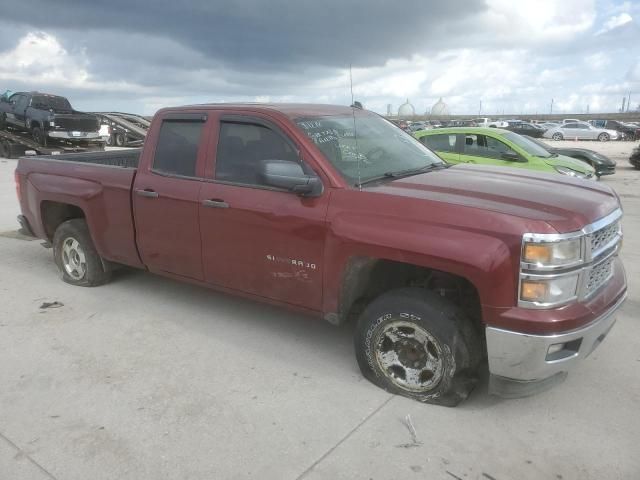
(147, 193)
(215, 203)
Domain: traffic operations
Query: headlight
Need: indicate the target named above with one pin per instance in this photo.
(549, 290)
(550, 269)
(562, 253)
(570, 172)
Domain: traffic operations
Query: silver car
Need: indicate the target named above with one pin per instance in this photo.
(580, 131)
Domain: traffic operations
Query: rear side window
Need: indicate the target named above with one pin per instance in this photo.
(177, 149)
(440, 143)
(241, 148)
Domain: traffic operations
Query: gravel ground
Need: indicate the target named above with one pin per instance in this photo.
(147, 378)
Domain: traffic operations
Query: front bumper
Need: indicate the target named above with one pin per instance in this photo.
(520, 363)
(70, 135)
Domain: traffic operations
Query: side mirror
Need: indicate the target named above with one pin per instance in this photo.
(512, 157)
(289, 176)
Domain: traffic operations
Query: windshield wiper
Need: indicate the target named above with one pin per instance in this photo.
(404, 173)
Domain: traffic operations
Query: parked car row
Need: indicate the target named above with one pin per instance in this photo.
(568, 128)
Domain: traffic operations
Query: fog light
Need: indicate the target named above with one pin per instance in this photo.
(562, 351)
(555, 348)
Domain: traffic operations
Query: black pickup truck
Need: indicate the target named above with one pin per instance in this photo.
(48, 117)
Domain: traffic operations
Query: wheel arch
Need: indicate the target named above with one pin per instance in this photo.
(365, 278)
(54, 213)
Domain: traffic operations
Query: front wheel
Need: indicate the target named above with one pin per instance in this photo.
(414, 343)
(603, 137)
(557, 136)
(76, 256)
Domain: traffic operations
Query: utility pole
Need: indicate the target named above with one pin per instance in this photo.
(551, 110)
(628, 101)
(624, 100)
(587, 109)
(480, 108)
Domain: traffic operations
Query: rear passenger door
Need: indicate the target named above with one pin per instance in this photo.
(444, 144)
(165, 196)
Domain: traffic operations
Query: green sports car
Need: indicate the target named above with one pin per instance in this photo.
(494, 146)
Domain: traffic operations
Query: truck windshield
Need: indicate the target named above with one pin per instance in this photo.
(527, 145)
(45, 102)
(380, 150)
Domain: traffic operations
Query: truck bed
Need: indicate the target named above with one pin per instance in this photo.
(126, 158)
(98, 183)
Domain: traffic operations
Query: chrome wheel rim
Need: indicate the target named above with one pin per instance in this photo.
(409, 356)
(74, 260)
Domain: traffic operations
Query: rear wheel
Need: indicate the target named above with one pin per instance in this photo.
(603, 137)
(414, 343)
(76, 256)
(39, 137)
(557, 136)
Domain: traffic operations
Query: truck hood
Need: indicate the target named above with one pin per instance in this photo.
(566, 204)
(572, 163)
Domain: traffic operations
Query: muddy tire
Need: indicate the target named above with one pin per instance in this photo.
(76, 256)
(414, 343)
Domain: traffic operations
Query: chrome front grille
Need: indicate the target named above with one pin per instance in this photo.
(597, 276)
(604, 238)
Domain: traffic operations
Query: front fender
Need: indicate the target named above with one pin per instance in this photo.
(485, 260)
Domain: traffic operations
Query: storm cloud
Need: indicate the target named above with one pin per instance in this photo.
(139, 56)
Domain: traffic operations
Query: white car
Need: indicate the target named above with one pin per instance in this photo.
(580, 131)
(487, 122)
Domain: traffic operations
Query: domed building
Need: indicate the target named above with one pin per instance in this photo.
(440, 109)
(406, 110)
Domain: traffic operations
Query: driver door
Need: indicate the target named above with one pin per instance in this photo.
(259, 239)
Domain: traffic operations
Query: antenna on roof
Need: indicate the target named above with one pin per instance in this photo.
(355, 130)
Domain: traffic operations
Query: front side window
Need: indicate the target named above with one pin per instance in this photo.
(177, 149)
(243, 146)
(363, 146)
(484, 146)
(440, 142)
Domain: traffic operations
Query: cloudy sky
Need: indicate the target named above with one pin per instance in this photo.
(514, 56)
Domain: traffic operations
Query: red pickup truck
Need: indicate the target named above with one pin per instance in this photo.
(336, 212)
